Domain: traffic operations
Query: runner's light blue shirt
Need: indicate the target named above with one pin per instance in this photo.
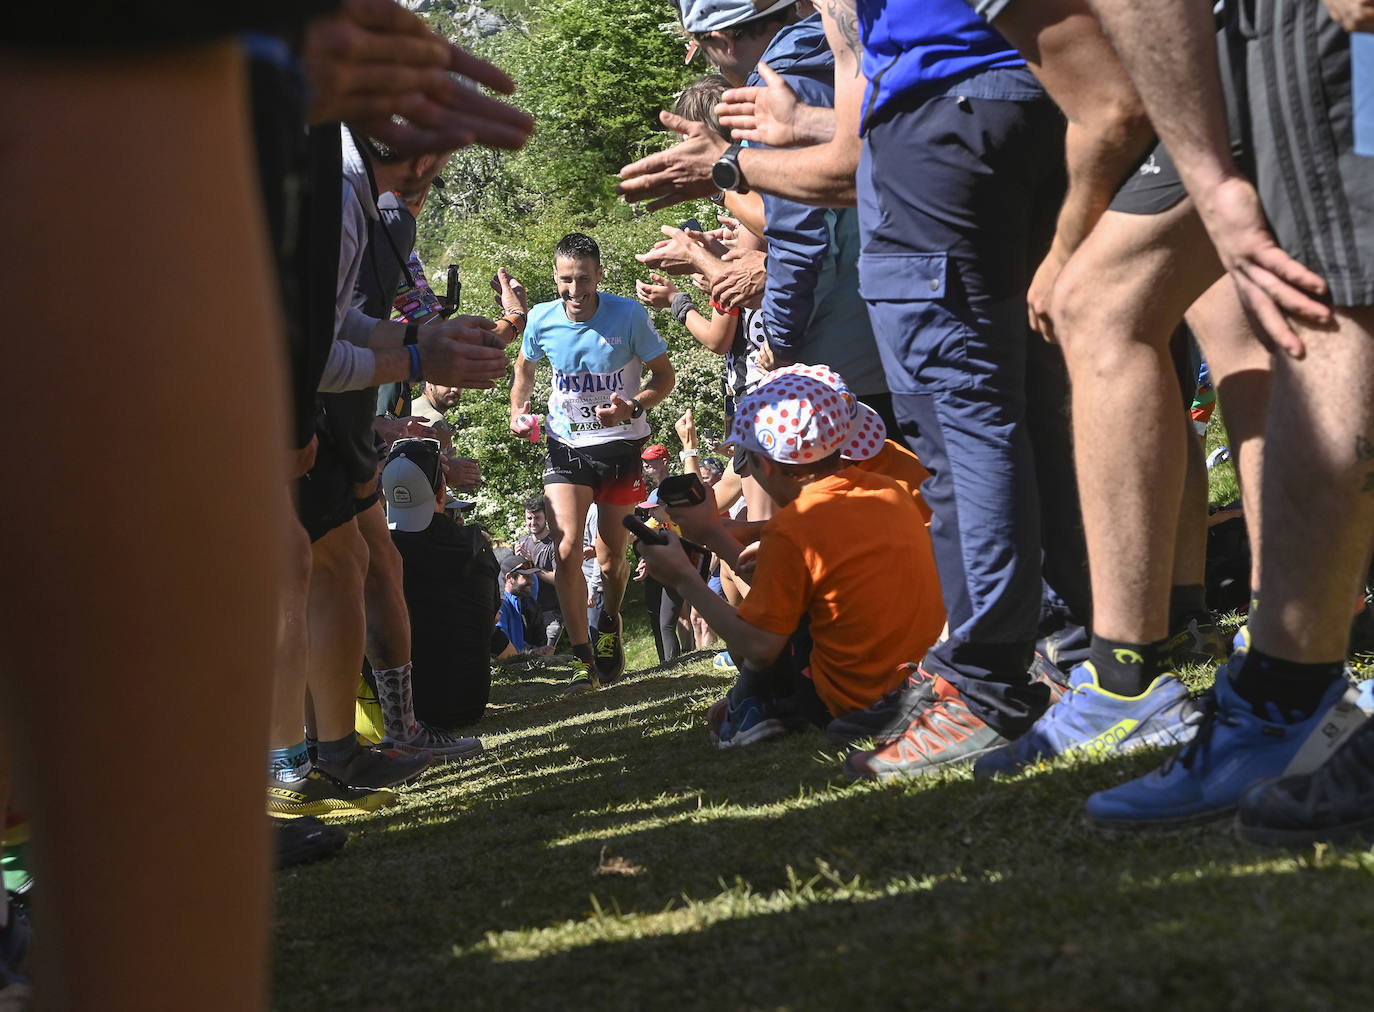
(591, 361)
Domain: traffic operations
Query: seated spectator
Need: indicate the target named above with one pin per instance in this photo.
(448, 574)
(844, 590)
(538, 547)
(517, 575)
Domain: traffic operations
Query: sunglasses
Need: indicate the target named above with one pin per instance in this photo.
(424, 454)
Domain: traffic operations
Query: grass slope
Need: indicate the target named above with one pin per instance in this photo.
(602, 854)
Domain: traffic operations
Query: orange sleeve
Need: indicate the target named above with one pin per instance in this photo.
(782, 586)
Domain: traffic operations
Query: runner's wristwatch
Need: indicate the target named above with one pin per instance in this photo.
(725, 173)
(636, 409)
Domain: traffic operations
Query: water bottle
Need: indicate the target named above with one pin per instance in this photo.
(531, 424)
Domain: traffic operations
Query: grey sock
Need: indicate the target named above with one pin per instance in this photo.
(339, 751)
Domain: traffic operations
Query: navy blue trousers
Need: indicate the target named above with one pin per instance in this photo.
(957, 199)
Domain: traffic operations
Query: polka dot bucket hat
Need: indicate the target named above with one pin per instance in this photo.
(794, 416)
(869, 433)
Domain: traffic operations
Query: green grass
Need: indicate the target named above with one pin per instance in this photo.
(602, 854)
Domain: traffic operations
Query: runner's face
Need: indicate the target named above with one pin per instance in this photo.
(577, 280)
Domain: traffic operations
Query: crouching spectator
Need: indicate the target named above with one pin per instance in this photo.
(844, 589)
(519, 615)
(449, 581)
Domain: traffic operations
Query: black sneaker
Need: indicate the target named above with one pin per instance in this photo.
(374, 767)
(885, 719)
(322, 796)
(305, 839)
(583, 679)
(14, 951)
(1333, 803)
(610, 653)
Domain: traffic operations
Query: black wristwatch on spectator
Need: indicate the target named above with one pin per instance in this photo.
(725, 173)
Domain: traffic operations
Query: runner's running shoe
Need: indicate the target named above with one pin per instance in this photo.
(1233, 750)
(322, 796)
(747, 723)
(440, 744)
(1090, 721)
(583, 679)
(886, 718)
(944, 731)
(1332, 804)
(610, 653)
(373, 766)
(723, 663)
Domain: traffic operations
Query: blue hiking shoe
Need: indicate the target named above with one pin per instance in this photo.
(1090, 721)
(747, 723)
(723, 663)
(1232, 752)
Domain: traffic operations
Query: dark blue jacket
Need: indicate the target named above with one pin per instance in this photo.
(811, 309)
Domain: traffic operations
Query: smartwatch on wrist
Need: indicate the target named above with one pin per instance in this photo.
(636, 409)
(412, 334)
(725, 173)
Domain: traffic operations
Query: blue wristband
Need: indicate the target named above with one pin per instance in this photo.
(415, 375)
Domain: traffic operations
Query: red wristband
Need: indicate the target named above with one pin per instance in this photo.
(721, 309)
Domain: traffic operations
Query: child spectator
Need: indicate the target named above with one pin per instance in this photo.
(844, 589)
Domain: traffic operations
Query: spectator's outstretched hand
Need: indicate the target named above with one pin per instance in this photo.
(657, 292)
(1271, 284)
(510, 291)
(392, 429)
(683, 252)
(741, 279)
(762, 115)
(462, 473)
(372, 61)
(683, 172)
(686, 428)
(463, 352)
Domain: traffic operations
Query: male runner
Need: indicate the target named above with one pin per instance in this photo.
(598, 345)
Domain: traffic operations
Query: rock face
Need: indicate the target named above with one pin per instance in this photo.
(472, 20)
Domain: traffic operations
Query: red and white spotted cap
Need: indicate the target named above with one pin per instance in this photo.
(794, 417)
(869, 433)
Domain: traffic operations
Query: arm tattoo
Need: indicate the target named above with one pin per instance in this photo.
(843, 13)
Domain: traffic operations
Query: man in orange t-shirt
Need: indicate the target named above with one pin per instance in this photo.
(844, 589)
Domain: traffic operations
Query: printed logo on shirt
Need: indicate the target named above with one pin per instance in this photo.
(590, 382)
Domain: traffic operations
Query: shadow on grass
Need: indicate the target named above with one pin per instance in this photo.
(760, 878)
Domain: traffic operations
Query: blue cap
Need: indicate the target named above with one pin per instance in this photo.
(700, 16)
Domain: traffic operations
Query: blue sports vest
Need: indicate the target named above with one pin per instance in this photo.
(919, 45)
